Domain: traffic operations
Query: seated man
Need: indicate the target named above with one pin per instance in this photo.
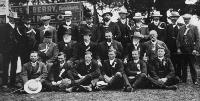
(34, 69)
(113, 73)
(88, 72)
(162, 71)
(48, 49)
(60, 76)
(136, 71)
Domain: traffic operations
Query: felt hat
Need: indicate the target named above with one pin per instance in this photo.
(137, 35)
(32, 86)
(156, 14)
(138, 15)
(174, 14)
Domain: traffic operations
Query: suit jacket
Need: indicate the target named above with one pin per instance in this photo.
(132, 68)
(130, 47)
(190, 41)
(96, 35)
(68, 50)
(81, 48)
(56, 73)
(52, 52)
(143, 29)
(172, 33)
(153, 53)
(74, 32)
(162, 32)
(125, 32)
(103, 49)
(30, 72)
(111, 70)
(92, 70)
(161, 69)
(50, 28)
(113, 27)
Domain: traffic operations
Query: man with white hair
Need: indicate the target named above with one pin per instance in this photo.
(188, 45)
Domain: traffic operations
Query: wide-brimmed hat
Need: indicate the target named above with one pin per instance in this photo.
(45, 18)
(107, 13)
(123, 11)
(137, 35)
(13, 15)
(187, 16)
(138, 15)
(174, 14)
(33, 86)
(156, 14)
(67, 14)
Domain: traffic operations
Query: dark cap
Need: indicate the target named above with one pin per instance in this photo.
(87, 32)
(107, 13)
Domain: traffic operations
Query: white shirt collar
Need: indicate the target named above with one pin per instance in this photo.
(160, 58)
(123, 21)
(154, 42)
(111, 61)
(68, 23)
(107, 23)
(136, 61)
(109, 43)
(86, 43)
(46, 26)
(62, 64)
(12, 25)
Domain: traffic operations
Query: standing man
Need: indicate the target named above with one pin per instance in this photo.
(68, 25)
(158, 26)
(172, 33)
(123, 23)
(188, 45)
(9, 49)
(45, 21)
(140, 27)
(113, 73)
(108, 25)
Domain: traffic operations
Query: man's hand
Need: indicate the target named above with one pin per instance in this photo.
(179, 51)
(125, 61)
(194, 52)
(138, 72)
(53, 83)
(99, 62)
(59, 82)
(163, 80)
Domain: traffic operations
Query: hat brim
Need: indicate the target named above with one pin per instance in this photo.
(39, 84)
(157, 15)
(107, 13)
(12, 17)
(138, 17)
(67, 15)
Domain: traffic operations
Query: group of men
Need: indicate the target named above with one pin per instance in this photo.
(102, 56)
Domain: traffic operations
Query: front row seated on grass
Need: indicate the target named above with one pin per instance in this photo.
(87, 75)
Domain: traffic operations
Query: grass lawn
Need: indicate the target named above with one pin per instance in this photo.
(186, 92)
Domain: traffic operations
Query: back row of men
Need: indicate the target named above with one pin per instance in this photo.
(125, 40)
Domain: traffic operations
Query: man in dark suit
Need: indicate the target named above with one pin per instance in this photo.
(12, 46)
(46, 20)
(162, 71)
(188, 45)
(48, 49)
(172, 33)
(67, 46)
(109, 43)
(151, 46)
(94, 28)
(33, 69)
(61, 75)
(136, 71)
(68, 25)
(84, 46)
(88, 71)
(108, 25)
(159, 26)
(135, 45)
(123, 23)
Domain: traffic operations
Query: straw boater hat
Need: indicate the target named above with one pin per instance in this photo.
(174, 14)
(156, 14)
(187, 16)
(45, 18)
(32, 86)
(138, 15)
(137, 35)
(67, 14)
